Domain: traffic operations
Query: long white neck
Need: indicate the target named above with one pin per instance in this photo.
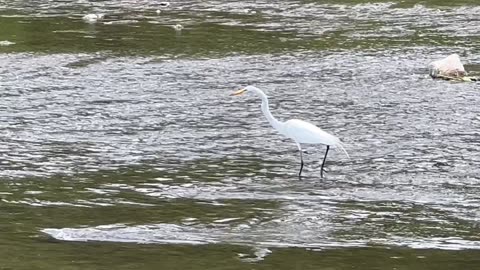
(266, 111)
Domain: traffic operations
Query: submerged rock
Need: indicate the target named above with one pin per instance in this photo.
(92, 18)
(164, 4)
(6, 43)
(177, 27)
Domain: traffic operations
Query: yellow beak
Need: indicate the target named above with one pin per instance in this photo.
(239, 92)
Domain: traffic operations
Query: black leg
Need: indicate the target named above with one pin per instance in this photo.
(301, 164)
(324, 159)
(301, 160)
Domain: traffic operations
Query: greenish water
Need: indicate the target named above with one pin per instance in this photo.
(121, 147)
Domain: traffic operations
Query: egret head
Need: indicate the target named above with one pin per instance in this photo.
(242, 91)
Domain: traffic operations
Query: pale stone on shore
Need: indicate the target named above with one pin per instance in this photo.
(451, 66)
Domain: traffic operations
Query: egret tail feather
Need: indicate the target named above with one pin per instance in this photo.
(341, 146)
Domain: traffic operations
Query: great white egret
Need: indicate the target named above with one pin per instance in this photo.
(295, 129)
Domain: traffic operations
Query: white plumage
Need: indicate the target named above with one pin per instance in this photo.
(297, 130)
(310, 133)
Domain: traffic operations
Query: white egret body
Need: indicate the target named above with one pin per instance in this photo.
(297, 130)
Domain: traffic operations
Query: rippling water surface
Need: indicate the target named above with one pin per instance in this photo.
(121, 147)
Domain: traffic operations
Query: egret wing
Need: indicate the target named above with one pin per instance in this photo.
(305, 132)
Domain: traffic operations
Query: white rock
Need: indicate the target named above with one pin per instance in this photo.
(93, 18)
(451, 66)
(177, 27)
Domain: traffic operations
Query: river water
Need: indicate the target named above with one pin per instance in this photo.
(122, 149)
